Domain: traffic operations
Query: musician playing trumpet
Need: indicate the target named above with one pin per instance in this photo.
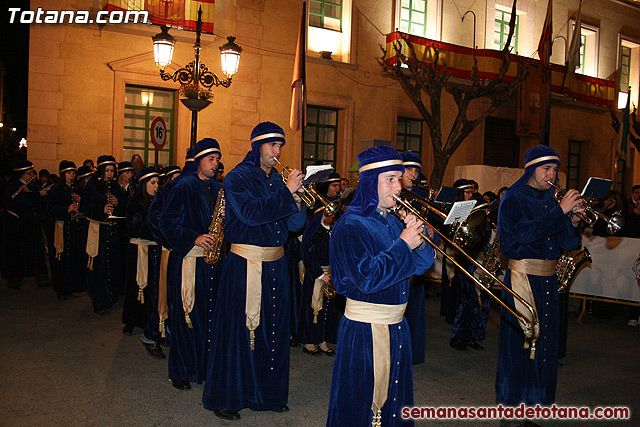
(534, 229)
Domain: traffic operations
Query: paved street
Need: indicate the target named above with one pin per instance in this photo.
(61, 364)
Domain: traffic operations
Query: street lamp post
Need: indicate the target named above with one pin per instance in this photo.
(195, 72)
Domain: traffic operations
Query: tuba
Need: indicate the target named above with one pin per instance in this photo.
(568, 265)
(214, 256)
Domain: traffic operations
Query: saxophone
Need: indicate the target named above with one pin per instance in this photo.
(568, 265)
(214, 256)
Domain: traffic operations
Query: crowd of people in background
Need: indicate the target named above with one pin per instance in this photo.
(123, 230)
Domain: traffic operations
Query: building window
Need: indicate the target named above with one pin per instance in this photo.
(326, 14)
(142, 105)
(503, 17)
(589, 39)
(320, 136)
(409, 135)
(413, 17)
(573, 166)
(630, 69)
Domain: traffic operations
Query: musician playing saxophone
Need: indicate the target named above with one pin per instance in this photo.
(192, 284)
(534, 229)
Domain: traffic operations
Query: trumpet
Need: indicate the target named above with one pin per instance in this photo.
(614, 223)
(467, 233)
(310, 195)
(531, 328)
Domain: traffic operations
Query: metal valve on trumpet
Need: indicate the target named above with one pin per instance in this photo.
(614, 223)
(309, 195)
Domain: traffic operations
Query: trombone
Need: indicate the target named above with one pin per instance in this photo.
(467, 233)
(614, 223)
(531, 328)
(310, 195)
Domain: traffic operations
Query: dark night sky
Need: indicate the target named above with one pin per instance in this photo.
(14, 53)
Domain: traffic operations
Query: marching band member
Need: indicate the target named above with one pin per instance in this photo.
(534, 229)
(143, 258)
(249, 365)
(416, 312)
(319, 314)
(22, 240)
(471, 306)
(104, 199)
(373, 255)
(68, 263)
(192, 283)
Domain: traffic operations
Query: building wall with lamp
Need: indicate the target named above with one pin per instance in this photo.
(78, 75)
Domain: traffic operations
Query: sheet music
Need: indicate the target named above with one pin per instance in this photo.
(316, 174)
(460, 211)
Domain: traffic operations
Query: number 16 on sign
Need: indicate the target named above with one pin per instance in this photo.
(158, 130)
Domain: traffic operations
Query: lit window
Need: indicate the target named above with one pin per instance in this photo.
(588, 49)
(630, 69)
(326, 14)
(413, 17)
(320, 136)
(142, 105)
(501, 31)
(409, 135)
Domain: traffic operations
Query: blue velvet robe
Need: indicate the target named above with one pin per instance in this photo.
(187, 214)
(369, 262)
(532, 226)
(315, 255)
(260, 211)
(105, 280)
(22, 239)
(69, 273)
(134, 313)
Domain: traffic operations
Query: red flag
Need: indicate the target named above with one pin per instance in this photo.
(298, 119)
(544, 45)
(177, 13)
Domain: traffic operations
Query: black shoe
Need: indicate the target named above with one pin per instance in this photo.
(293, 343)
(328, 352)
(313, 352)
(474, 345)
(128, 330)
(226, 415)
(283, 408)
(458, 345)
(99, 309)
(180, 384)
(155, 350)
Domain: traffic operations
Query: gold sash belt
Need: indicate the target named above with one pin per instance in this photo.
(162, 290)
(142, 267)
(316, 296)
(255, 256)
(520, 285)
(188, 287)
(380, 316)
(58, 238)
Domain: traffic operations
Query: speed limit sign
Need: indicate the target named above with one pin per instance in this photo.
(158, 131)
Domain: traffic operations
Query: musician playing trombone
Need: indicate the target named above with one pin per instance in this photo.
(373, 255)
(534, 229)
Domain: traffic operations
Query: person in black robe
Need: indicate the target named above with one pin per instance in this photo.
(67, 224)
(143, 259)
(23, 240)
(104, 208)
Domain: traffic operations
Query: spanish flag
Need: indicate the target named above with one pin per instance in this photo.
(181, 14)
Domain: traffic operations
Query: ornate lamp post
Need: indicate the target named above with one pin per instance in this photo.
(195, 72)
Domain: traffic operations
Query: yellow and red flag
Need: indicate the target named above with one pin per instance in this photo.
(181, 14)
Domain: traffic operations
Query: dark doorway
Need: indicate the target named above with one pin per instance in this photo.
(501, 145)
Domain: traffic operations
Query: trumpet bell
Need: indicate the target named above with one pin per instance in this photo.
(615, 224)
(332, 208)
